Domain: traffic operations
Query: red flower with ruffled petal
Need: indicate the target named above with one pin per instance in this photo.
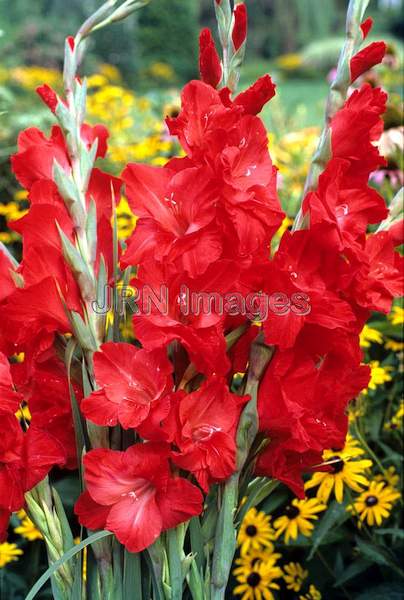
(206, 428)
(132, 384)
(10, 399)
(134, 495)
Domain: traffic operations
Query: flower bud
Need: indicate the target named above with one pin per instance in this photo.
(239, 33)
(209, 62)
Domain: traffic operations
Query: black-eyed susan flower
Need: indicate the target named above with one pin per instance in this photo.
(379, 375)
(255, 532)
(394, 345)
(247, 562)
(257, 582)
(397, 420)
(297, 518)
(389, 477)
(374, 504)
(312, 594)
(368, 336)
(396, 316)
(346, 470)
(9, 553)
(294, 576)
(27, 528)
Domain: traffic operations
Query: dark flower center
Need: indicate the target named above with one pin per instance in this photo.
(371, 501)
(251, 530)
(292, 512)
(338, 465)
(253, 579)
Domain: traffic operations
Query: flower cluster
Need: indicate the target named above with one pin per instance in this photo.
(161, 417)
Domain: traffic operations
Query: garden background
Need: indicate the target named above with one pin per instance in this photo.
(135, 70)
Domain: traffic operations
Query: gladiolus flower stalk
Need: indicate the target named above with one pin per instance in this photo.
(336, 96)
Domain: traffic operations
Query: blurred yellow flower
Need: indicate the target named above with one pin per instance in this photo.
(27, 528)
(369, 335)
(9, 553)
(312, 594)
(294, 576)
(378, 375)
(396, 316)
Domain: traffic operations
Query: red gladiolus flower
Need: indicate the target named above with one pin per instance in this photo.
(254, 98)
(206, 424)
(10, 400)
(210, 66)
(25, 459)
(132, 385)
(239, 33)
(134, 495)
(366, 59)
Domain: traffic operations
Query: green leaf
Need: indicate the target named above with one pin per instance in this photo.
(375, 554)
(91, 230)
(385, 591)
(354, 569)
(82, 332)
(66, 557)
(335, 514)
(174, 562)
(398, 533)
(132, 576)
(196, 535)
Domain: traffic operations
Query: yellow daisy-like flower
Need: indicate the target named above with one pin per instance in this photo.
(389, 477)
(396, 317)
(297, 518)
(255, 532)
(369, 335)
(312, 594)
(257, 582)
(294, 576)
(345, 470)
(9, 553)
(394, 345)
(246, 562)
(375, 503)
(396, 422)
(378, 375)
(27, 529)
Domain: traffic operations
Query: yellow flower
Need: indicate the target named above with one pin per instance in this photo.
(368, 335)
(294, 576)
(345, 470)
(9, 553)
(23, 413)
(389, 477)
(396, 421)
(378, 375)
(394, 345)
(247, 562)
(126, 220)
(312, 594)
(255, 583)
(375, 503)
(396, 317)
(255, 532)
(27, 529)
(297, 518)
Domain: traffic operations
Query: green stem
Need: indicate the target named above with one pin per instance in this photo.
(225, 538)
(368, 450)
